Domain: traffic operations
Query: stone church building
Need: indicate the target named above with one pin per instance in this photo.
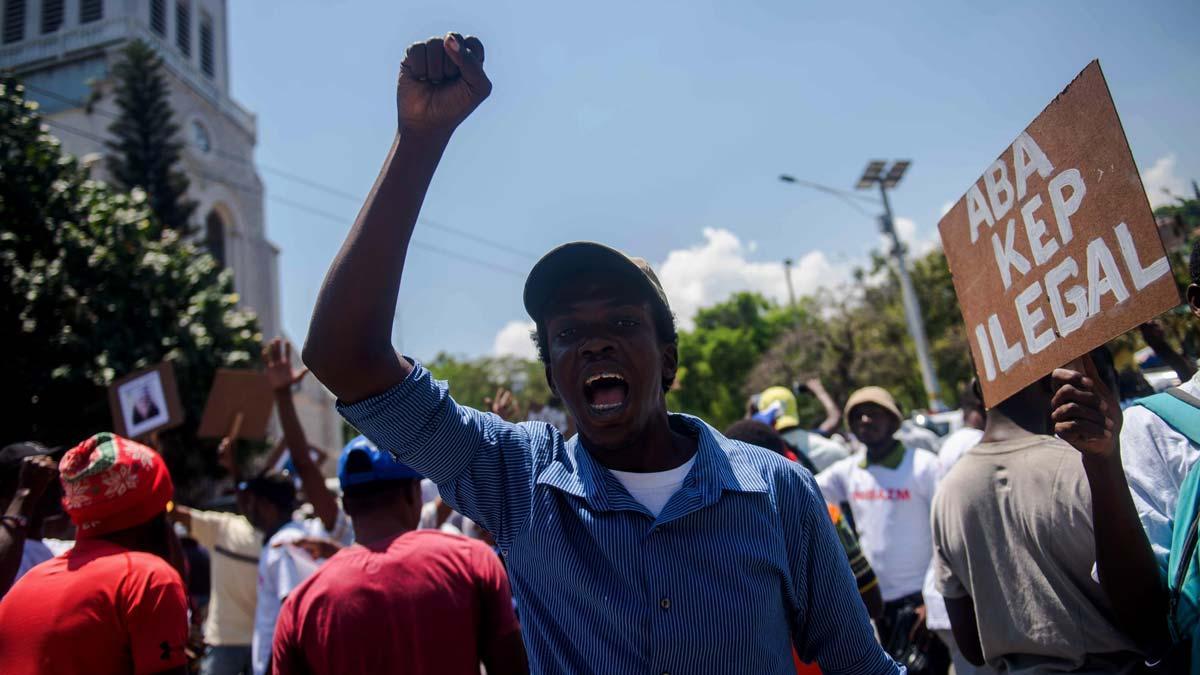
(63, 51)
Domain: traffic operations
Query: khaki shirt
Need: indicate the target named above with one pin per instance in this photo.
(234, 546)
(1012, 529)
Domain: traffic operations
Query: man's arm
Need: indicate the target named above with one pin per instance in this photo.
(1156, 339)
(841, 640)
(35, 475)
(441, 82)
(833, 415)
(1088, 416)
(966, 631)
(278, 359)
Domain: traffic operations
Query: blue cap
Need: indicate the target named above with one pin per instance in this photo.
(383, 465)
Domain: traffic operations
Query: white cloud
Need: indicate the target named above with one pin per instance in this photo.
(513, 340)
(1160, 179)
(917, 243)
(710, 272)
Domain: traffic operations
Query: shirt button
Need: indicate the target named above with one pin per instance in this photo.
(665, 603)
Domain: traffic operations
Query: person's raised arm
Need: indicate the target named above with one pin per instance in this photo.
(35, 475)
(1156, 339)
(833, 415)
(1088, 416)
(277, 357)
(349, 345)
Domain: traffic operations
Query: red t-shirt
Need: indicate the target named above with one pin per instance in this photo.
(422, 602)
(98, 608)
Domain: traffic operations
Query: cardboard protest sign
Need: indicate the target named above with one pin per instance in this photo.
(1054, 250)
(145, 402)
(239, 405)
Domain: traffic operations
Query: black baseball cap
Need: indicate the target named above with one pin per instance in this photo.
(13, 454)
(584, 259)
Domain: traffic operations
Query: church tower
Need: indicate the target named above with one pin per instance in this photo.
(64, 50)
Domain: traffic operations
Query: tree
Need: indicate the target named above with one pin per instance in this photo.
(716, 357)
(850, 337)
(92, 288)
(146, 151)
(474, 381)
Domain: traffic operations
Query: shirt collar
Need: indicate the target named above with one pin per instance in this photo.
(720, 465)
(890, 461)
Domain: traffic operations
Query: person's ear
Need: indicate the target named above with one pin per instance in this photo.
(550, 381)
(670, 362)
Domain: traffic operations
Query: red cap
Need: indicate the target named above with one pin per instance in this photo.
(111, 483)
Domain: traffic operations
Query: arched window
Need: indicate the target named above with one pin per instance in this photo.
(183, 26)
(214, 237)
(14, 21)
(91, 10)
(208, 59)
(52, 15)
(158, 17)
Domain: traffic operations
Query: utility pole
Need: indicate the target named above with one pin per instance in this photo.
(874, 174)
(787, 273)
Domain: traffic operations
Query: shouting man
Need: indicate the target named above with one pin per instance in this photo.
(673, 549)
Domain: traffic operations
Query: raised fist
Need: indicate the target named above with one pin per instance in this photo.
(441, 82)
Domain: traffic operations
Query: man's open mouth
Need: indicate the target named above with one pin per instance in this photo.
(605, 392)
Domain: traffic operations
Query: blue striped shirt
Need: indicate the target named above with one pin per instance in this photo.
(742, 562)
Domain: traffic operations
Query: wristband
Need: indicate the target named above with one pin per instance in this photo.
(16, 522)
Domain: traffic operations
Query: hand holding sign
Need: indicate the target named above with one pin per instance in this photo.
(1086, 413)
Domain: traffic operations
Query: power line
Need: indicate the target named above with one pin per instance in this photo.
(290, 176)
(306, 208)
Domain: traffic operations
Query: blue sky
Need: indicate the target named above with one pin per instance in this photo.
(660, 128)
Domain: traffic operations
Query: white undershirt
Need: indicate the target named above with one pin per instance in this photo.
(653, 490)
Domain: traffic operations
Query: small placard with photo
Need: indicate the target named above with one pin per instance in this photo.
(145, 402)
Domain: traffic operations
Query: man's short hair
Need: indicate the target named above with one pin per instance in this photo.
(968, 399)
(664, 327)
(755, 433)
(276, 489)
(1195, 262)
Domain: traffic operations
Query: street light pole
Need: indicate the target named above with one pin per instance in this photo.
(912, 306)
(787, 272)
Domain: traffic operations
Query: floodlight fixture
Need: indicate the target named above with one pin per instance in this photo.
(895, 173)
(871, 174)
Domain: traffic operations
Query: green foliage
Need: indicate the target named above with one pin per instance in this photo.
(92, 288)
(850, 339)
(146, 148)
(717, 356)
(474, 380)
(1186, 210)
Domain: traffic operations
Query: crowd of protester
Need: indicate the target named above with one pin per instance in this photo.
(1054, 532)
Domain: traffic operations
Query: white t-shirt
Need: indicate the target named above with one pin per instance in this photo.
(654, 489)
(452, 525)
(281, 569)
(913, 435)
(553, 416)
(891, 512)
(821, 451)
(34, 553)
(1156, 459)
(953, 447)
(956, 444)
